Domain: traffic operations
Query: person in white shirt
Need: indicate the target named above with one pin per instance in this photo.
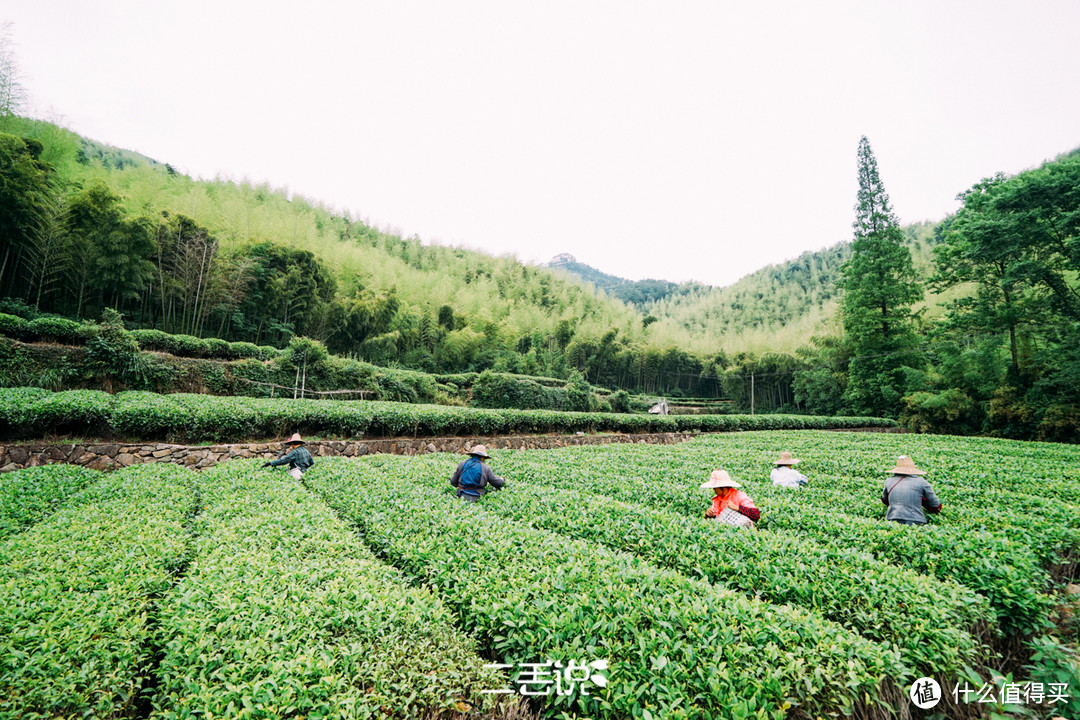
(784, 475)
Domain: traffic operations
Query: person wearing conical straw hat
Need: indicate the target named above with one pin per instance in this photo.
(298, 458)
(730, 504)
(473, 476)
(784, 475)
(907, 494)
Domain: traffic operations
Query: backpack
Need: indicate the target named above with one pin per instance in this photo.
(472, 476)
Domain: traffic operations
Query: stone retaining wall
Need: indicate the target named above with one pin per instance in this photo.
(107, 456)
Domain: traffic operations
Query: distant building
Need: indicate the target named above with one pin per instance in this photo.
(562, 258)
(660, 408)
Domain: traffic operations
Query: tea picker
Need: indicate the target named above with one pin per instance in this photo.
(785, 475)
(907, 494)
(730, 505)
(298, 459)
(473, 476)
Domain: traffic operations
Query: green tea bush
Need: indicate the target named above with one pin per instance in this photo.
(284, 607)
(1052, 530)
(56, 329)
(1003, 568)
(269, 352)
(30, 495)
(217, 348)
(620, 401)
(244, 350)
(146, 415)
(678, 647)
(150, 339)
(81, 412)
(188, 346)
(13, 326)
(76, 590)
(13, 405)
(17, 307)
(174, 344)
(223, 419)
(936, 624)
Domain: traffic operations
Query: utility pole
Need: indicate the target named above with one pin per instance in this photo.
(751, 392)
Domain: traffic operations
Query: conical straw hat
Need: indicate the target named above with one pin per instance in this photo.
(786, 459)
(906, 466)
(720, 478)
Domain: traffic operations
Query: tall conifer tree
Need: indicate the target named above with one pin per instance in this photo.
(879, 289)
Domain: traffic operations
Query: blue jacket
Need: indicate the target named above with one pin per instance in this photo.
(487, 477)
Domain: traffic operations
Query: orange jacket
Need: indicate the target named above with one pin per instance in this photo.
(741, 499)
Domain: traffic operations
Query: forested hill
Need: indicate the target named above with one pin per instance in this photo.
(248, 262)
(85, 227)
(778, 307)
(632, 292)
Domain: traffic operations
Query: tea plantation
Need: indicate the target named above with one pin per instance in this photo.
(368, 591)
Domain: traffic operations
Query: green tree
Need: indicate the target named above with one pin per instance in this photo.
(879, 288)
(122, 266)
(25, 193)
(12, 93)
(111, 252)
(982, 245)
(1017, 239)
(819, 388)
(48, 258)
(365, 315)
(288, 294)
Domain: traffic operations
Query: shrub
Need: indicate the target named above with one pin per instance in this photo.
(268, 352)
(14, 403)
(82, 412)
(620, 401)
(944, 412)
(29, 496)
(936, 625)
(112, 352)
(288, 608)
(233, 418)
(56, 329)
(76, 592)
(152, 339)
(305, 353)
(217, 348)
(244, 350)
(499, 390)
(677, 646)
(188, 346)
(149, 416)
(13, 326)
(15, 306)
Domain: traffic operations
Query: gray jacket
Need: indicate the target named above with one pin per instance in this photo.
(906, 496)
(297, 458)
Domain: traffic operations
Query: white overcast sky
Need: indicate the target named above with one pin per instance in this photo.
(675, 140)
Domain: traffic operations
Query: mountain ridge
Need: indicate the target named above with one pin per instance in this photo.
(779, 306)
